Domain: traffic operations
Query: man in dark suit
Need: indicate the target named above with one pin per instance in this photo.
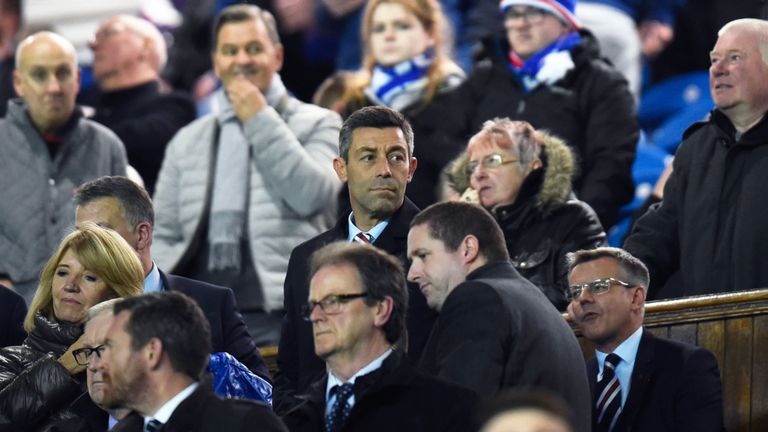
(639, 382)
(118, 203)
(357, 303)
(495, 329)
(13, 309)
(154, 352)
(376, 161)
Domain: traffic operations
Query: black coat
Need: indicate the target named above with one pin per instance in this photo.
(395, 397)
(538, 238)
(203, 411)
(13, 309)
(591, 108)
(145, 120)
(298, 365)
(497, 330)
(674, 387)
(711, 225)
(35, 390)
(228, 331)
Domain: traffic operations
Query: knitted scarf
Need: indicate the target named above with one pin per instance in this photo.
(546, 66)
(400, 85)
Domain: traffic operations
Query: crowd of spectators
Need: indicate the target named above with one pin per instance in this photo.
(409, 242)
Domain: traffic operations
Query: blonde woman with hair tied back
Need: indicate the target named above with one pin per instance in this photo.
(406, 67)
(41, 378)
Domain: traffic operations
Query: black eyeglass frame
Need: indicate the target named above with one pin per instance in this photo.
(329, 301)
(83, 361)
(596, 287)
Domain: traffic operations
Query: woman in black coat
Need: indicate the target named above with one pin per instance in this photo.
(40, 379)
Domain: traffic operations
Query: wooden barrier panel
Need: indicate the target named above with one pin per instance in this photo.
(734, 327)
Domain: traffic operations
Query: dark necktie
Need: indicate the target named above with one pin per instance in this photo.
(608, 400)
(153, 426)
(341, 408)
(362, 237)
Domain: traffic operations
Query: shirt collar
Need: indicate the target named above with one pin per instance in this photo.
(164, 413)
(374, 232)
(370, 367)
(153, 282)
(627, 350)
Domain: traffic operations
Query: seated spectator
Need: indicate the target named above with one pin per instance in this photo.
(357, 303)
(117, 203)
(406, 68)
(548, 72)
(12, 312)
(640, 382)
(495, 329)
(710, 228)
(239, 189)
(128, 55)
(524, 178)
(48, 150)
(525, 411)
(155, 351)
(41, 378)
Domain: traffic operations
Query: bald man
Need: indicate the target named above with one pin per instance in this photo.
(128, 55)
(48, 149)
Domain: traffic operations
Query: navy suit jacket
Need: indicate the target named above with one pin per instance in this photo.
(298, 365)
(228, 331)
(12, 312)
(674, 387)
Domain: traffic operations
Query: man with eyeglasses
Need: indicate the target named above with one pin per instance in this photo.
(357, 305)
(639, 381)
(376, 162)
(495, 329)
(548, 71)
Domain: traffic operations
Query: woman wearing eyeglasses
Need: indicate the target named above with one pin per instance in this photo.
(523, 177)
(40, 379)
(406, 67)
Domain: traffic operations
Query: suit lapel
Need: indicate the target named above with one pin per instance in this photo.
(640, 380)
(394, 236)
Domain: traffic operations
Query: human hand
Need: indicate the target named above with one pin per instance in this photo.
(68, 359)
(245, 96)
(654, 37)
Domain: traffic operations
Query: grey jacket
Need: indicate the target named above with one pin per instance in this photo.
(36, 194)
(293, 187)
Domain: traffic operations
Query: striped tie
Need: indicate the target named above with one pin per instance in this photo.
(362, 237)
(608, 402)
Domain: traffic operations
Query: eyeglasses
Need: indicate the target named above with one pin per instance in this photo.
(529, 15)
(494, 160)
(83, 355)
(596, 287)
(330, 305)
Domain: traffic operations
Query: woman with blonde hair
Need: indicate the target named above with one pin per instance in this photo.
(40, 379)
(407, 67)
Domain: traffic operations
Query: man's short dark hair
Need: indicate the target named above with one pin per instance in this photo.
(381, 275)
(135, 201)
(451, 222)
(522, 399)
(634, 272)
(238, 13)
(378, 117)
(177, 321)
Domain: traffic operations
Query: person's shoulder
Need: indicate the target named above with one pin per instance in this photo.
(309, 246)
(193, 286)
(304, 111)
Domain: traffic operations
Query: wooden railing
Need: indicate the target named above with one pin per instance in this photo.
(733, 326)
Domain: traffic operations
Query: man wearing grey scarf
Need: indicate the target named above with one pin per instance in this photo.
(240, 188)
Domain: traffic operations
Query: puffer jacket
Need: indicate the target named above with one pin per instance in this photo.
(292, 188)
(546, 222)
(35, 390)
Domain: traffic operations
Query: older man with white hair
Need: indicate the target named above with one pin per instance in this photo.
(128, 55)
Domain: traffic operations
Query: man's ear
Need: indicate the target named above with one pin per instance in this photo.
(470, 249)
(153, 353)
(412, 168)
(17, 83)
(341, 168)
(638, 297)
(144, 231)
(383, 312)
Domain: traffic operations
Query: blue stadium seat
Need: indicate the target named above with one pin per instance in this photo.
(665, 99)
(668, 136)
